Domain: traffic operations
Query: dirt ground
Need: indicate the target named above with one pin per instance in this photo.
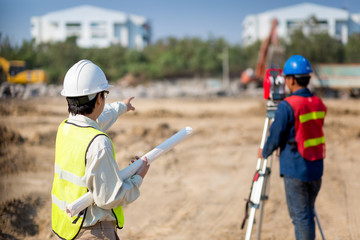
(195, 191)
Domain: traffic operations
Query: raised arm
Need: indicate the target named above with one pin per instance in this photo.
(112, 111)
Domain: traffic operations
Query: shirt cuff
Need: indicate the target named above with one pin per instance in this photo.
(137, 180)
(265, 153)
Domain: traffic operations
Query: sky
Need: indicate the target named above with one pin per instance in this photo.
(175, 18)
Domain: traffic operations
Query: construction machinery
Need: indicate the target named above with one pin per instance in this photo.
(336, 80)
(16, 72)
(271, 55)
(15, 78)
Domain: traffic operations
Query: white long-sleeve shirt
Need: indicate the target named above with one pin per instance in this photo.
(101, 171)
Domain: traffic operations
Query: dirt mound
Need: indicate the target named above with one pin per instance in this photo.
(8, 136)
(161, 131)
(161, 113)
(13, 160)
(17, 152)
(129, 80)
(16, 107)
(208, 114)
(12, 153)
(44, 139)
(343, 111)
(17, 217)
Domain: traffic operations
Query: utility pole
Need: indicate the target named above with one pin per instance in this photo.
(226, 78)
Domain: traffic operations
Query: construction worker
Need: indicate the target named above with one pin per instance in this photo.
(298, 131)
(85, 159)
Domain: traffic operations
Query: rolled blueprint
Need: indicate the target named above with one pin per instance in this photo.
(86, 200)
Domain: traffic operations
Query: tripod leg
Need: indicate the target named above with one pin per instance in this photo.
(258, 185)
(250, 223)
(264, 197)
(318, 223)
(261, 214)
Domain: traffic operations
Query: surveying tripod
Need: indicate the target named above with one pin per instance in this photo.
(260, 184)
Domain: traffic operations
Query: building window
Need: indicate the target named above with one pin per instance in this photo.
(98, 30)
(339, 27)
(320, 26)
(146, 33)
(293, 25)
(73, 29)
(118, 28)
(54, 24)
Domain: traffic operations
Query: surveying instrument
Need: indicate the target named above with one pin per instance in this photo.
(274, 92)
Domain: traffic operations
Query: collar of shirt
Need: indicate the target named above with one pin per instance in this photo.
(83, 121)
(304, 92)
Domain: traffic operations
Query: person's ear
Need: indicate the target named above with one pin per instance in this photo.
(98, 99)
(292, 81)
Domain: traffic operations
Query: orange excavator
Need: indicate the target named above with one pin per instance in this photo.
(271, 55)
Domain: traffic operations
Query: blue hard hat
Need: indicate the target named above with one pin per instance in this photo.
(297, 65)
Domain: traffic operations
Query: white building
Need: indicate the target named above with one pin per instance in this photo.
(93, 27)
(338, 23)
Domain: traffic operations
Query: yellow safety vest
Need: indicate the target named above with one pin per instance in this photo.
(72, 143)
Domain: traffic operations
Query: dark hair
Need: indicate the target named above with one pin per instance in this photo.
(82, 105)
(302, 80)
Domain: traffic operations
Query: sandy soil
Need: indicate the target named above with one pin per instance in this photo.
(195, 191)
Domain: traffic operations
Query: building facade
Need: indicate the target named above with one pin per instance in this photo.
(93, 27)
(309, 17)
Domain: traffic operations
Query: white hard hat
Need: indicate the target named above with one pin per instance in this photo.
(84, 78)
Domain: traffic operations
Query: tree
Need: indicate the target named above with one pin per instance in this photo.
(175, 58)
(6, 49)
(352, 49)
(317, 47)
(325, 49)
(299, 44)
(57, 58)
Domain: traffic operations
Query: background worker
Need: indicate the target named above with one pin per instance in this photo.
(298, 131)
(85, 159)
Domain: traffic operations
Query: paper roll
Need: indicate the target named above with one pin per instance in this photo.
(86, 200)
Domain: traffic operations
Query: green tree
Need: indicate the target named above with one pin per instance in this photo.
(111, 59)
(57, 58)
(6, 49)
(317, 47)
(299, 44)
(250, 55)
(352, 49)
(325, 49)
(26, 53)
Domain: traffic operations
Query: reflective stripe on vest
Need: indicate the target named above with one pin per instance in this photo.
(72, 143)
(309, 114)
(314, 142)
(312, 116)
(70, 177)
